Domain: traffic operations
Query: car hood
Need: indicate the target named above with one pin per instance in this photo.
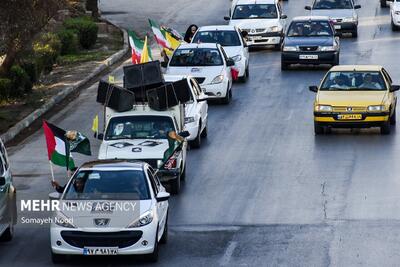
(133, 149)
(254, 23)
(309, 41)
(118, 213)
(232, 51)
(351, 98)
(209, 72)
(334, 13)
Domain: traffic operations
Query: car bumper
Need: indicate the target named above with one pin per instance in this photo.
(367, 120)
(193, 129)
(272, 38)
(68, 241)
(345, 27)
(322, 57)
(218, 90)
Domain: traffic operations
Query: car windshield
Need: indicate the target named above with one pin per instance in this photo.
(353, 81)
(309, 29)
(224, 38)
(191, 57)
(108, 185)
(332, 4)
(255, 11)
(139, 127)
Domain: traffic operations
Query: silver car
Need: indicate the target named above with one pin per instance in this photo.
(342, 13)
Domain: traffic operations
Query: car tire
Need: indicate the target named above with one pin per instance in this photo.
(383, 3)
(176, 185)
(318, 129)
(393, 118)
(8, 234)
(196, 143)
(244, 78)
(284, 66)
(227, 99)
(385, 128)
(183, 174)
(394, 27)
(57, 258)
(204, 133)
(354, 34)
(164, 238)
(337, 61)
(153, 257)
(277, 47)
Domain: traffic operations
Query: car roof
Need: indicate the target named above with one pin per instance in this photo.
(200, 45)
(217, 27)
(252, 2)
(312, 18)
(113, 164)
(356, 68)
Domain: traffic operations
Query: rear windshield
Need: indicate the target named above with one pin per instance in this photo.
(354, 81)
(309, 29)
(224, 38)
(332, 4)
(196, 57)
(255, 11)
(108, 185)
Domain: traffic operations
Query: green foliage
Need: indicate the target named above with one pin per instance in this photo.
(21, 82)
(86, 30)
(69, 41)
(5, 88)
(31, 68)
(46, 51)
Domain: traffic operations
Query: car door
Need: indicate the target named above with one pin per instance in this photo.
(201, 106)
(244, 46)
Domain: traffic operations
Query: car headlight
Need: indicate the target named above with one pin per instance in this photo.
(189, 120)
(218, 79)
(237, 58)
(143, 220)
(290, 48)
(350, 19)
(327, 48)
(324, 108)
(159, 163)
(376, 108)
(63, 221)
(274, 29)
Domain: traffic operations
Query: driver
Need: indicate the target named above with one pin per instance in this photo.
(317, 29)
(368, 82)
(160, 129)
(339, 82)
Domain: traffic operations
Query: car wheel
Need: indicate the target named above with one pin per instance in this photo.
(383, 3)
(227, 99)
(337, 61)
(277, 47)
(57, 258)
(183, 174)
(176, 185)
(354, 34)
(393, 118)
(244, 78)
(318, 129)
(284, 66)
(196, 143)
(153, 257)
(385, 128)
(164, 238)
(204, 133)
(8, 234)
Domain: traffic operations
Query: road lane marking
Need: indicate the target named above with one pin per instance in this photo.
(228, 253)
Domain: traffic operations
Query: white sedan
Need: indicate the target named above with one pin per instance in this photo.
(210, 66)
(231, 40)
(110, 207)
(395, 15)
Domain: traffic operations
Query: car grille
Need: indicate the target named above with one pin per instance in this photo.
(246, 30)
(89, 239)
(151, 162)
(260, 30)
(308, 48)
(346, 109)
(200, 80)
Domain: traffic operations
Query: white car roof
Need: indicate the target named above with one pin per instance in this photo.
(217, 27)
(113, 165)
(252, 2)
(201, 45)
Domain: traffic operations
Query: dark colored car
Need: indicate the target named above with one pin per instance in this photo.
(310, 40)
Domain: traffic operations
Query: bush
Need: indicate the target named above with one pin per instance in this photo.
(5, 88)
(32, 70)
(46, 51)
(85, 28)
(69, 41)
(20, 81)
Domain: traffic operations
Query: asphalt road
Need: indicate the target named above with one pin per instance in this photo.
(263, 190)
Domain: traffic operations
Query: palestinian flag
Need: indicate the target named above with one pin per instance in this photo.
(137, 47)
(159, 34)
(58, 148)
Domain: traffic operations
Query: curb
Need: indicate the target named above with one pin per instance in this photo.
(27, 121)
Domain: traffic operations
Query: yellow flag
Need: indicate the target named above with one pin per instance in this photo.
(95, 125)
(111, 79)
(173, 44)
(145, 53)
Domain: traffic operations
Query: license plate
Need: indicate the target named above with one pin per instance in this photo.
(337, 27)
(350, 117)
(100, 251)
(308, 56)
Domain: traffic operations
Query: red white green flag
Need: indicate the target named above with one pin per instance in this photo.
(137, 47)
(159, 34)
(58, 147)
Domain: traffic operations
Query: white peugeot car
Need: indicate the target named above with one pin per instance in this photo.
(208, 64)
(231, 40)
(263, 20)
(110, 207)
(196, 110)
(395, 14)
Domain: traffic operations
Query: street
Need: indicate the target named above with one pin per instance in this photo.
(262, 190)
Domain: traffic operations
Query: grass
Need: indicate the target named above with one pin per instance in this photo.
(83, 56)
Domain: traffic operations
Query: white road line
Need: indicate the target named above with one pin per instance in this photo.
(228, 253)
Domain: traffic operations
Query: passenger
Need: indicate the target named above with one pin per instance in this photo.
(190, 33)
(57, 186)
(318, 29)
(368, 83)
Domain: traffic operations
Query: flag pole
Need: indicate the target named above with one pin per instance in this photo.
(52, 171)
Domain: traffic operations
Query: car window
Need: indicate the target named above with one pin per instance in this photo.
(353, 81)
(387, 75)
(333, 4)
(255, 11)
(195, 88)
(155, 176)
(225, 56)
(224, 38)
(108, 185)
(192, 57)
(152, 182)
(310, 29)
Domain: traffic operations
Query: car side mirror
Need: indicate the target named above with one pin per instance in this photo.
(307, 7)
(313, 88)
(162, 196)
(164, 64)
(2, 181)
(227, 18)
(283, 17)
(230, 62)
(54, 196)
(99, 136)
(357, 6)
(394, 88)
(184, 134)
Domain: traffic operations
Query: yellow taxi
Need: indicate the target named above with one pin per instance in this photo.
(355, 96)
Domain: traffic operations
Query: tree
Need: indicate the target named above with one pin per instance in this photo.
(21, 21)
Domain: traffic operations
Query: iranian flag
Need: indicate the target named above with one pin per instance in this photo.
(137, 47)
(159, 34)
(58, 148)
